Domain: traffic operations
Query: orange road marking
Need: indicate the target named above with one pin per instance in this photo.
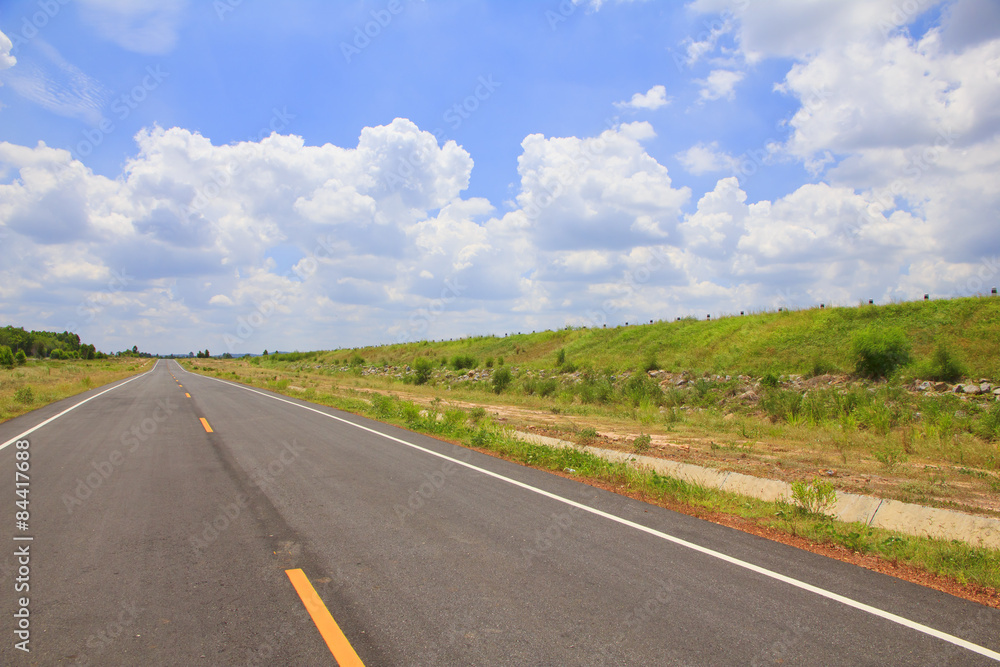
(204, 422)
(187, 394)
(342, 650)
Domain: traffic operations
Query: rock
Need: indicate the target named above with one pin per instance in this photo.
(941, 386)
(985, 388)
(924, 386)
(680, 383)
(996, 392)
(972, 389)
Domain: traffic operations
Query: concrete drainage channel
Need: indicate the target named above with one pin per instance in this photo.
(850, 507)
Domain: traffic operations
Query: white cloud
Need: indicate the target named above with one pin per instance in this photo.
(705, 158)
(720, 84)
(58, 85)
(652, 100)
(6, 60)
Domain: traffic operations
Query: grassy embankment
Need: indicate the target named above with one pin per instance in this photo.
(40, 382)
(938, 449)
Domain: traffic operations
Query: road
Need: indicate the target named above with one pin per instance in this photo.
(170, 514)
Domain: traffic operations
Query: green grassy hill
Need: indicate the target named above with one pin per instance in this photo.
(804, 341)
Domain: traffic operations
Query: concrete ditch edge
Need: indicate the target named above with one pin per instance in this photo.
(895, 515)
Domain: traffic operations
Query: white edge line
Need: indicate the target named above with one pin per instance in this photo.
(905, 622)
(86, 400)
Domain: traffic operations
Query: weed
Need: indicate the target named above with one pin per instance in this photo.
(817, 497)
(890, 456)
(587, 435)
(25, 395)
(642, 443)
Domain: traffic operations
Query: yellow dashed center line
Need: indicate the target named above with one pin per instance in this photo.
(204, 422)
(328, 628)
(187, 394)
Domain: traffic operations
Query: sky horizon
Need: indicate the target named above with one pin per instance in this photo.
(240, 177)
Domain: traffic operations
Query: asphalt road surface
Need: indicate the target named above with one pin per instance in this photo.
(181, 520)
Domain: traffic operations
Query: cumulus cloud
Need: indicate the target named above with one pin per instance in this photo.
(705, 158)
(720, 83)
(652, 100)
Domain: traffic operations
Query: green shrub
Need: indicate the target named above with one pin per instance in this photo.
(814, 498)
(6, 357)
(642, 443)
(942, 367)
(422, 367)
(501, 379)
(890, 456)
(20, 358)
(561, 357)
(56, 354)
(651, 363)
(640, 386)
(462, 362)
(477, 413)
(770, 380)
(547, 387)
(587, 435)
(878, 352)
(356, 360)
(988, 425)
(25, 395)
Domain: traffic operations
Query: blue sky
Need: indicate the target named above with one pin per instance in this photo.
(241, 176)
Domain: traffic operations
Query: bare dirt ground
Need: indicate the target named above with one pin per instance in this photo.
(771, 460)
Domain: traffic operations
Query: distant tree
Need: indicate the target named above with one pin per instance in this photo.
(265, 353)
(21, 358)
(208, 355)
(226, 355)
(56, 354)
(135, 349)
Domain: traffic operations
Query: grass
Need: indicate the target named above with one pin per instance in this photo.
(41, 382)
(800, 341)
(957, 561)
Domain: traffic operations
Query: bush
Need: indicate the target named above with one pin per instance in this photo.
(642, 443)
(461, 362)
(640, 386)
(6, 357)
(651, 363)
(422, 367)
(56, 354)
(814, 498)
(942, 367)
(21, 358)
(25, 395)
(356, 360)
(502, 379)
(770, 380)
(561, 357)
(879, 352)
